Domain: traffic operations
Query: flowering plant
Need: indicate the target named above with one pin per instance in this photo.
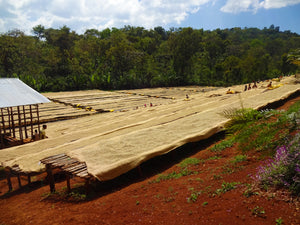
(283, 170)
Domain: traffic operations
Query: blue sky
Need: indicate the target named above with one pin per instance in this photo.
(80, 15)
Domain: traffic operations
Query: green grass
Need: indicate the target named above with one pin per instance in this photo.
(259, 131)
(227, 143)
(189, 162)
(173, 175)
(239, 158)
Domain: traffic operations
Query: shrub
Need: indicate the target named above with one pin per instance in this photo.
(242, 118)
(284, 169)
(271, 131)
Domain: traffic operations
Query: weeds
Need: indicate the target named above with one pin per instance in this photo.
(194, 196)
(189, 161)
(239, 158)
(74, 195)
(279, 221)
(258, 211)
(214, 158)
(226, 187)
(222, 145)
(261, 130)
(217, 177)
(174, 175)
(249, 192)
(184, 171)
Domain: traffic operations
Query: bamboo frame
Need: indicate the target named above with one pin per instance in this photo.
(18, 123)
(25, 122)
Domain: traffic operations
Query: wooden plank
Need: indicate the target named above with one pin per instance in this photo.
(63, 160)
(72, 166)
(69, 165)
(64, 157)
(54, 156)
(76, 168)
(70, 161)
(83, 175)
(79, 170)
(80, 165)
(16, 169)
(60, 163)
(50, 158)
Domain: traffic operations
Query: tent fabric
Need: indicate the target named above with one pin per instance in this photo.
(13, 92)
(113, 143)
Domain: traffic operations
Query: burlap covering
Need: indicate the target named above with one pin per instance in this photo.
(114, 143)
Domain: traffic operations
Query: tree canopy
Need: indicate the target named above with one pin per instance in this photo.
(134, 57)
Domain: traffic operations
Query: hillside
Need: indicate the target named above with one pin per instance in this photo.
(198, 198)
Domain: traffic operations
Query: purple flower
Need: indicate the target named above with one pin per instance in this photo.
(297, 169)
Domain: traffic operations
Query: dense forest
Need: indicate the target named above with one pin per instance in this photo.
(134, 57)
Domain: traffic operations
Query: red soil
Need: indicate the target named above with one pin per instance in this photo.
(134, 199)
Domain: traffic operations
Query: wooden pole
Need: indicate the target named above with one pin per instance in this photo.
(8, 176)
(87, 186)
(31, 122)
(19, 180)
(2, 128)
(9, 123)
(20, 124)
(12, 122)
(50, 178)
(29, 179)
(38, 117)
(1, 138)
(140, 171)
(3, 120)
(25, 122)
(68, 183)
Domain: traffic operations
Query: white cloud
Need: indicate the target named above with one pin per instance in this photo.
(80, 15)
(237, 6)
(268, 4)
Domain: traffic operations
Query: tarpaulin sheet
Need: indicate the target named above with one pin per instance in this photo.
(114, 143)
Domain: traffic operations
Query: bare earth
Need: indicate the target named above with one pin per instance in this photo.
(135, 199)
